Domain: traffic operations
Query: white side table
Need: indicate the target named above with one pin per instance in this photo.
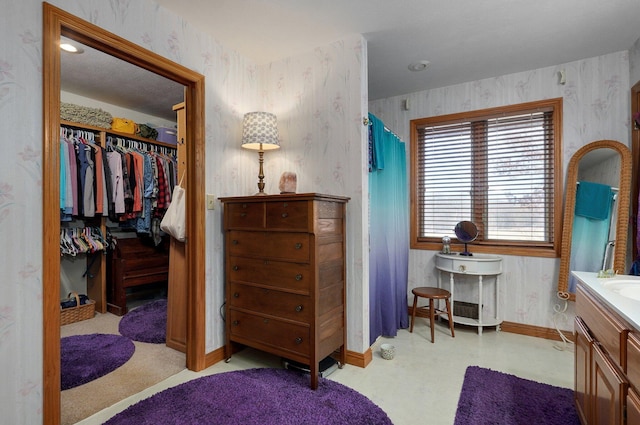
(477, 265)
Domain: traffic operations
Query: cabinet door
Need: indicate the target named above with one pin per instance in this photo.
(609, 390)
(582, 354)
(633, 408)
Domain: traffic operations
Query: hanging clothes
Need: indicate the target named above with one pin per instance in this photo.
(388, 232)
(140, 174)
(122, 181)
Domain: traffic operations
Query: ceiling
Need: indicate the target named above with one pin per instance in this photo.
(463, 40)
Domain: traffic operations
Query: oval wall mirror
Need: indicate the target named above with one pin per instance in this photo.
(596, 213)
(466, 231)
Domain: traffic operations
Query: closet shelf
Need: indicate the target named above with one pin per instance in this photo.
(115, 133)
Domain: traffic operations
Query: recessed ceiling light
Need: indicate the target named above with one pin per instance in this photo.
(419, 66)
(70, 48)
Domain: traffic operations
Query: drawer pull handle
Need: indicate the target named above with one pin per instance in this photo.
(462, 268)
(285, 215)
(236, 323)
(244, 214)
(285, 204)
(235, 268)
(298, 277)
(298, 340)
(299, 308)
(244, 205)
(266, 321)
(236, 295)
(298, 245)
(234, 242)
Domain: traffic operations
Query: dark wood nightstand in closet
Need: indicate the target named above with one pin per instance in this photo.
(285, 276)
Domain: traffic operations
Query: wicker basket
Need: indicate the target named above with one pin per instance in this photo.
(77, 313)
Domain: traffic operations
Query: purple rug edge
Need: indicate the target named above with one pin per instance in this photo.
(84, 358)
(490, 397)
(255, 396)
(147, 323)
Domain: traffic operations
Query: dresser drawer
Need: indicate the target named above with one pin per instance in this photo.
(289, 215)
(281, 336)
(633, 360)
(290, 276)
(270, 245)
(249, 215)
(610, 332)
(271, 302)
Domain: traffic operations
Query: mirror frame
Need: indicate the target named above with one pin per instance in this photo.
(57, 22)
(622, 223)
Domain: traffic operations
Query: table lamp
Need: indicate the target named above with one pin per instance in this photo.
(260, 132)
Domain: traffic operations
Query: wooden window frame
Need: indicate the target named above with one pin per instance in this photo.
(549, 249)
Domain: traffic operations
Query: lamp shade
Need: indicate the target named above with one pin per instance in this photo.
(260, 131)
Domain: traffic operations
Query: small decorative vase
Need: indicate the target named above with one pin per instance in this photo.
(288, 182)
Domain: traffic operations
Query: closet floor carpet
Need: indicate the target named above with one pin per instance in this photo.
(149, 365)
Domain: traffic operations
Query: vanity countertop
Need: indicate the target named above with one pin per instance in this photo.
(626, 307)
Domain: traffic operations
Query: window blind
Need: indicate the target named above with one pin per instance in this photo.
(496, 171)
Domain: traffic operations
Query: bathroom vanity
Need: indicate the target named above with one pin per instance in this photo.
(607, 349)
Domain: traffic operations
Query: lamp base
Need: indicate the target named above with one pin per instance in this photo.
(260, 194)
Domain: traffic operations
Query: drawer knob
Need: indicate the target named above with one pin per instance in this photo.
(285, 215)
(299, 308)
(244, 214)
(236, 295)
(244, 205)
(235, 268)
(236, 323)
(298, 245)
(462, 268)
(298, 277)
(234, 242)
(265, 321)
(298, 340)
(285, 204)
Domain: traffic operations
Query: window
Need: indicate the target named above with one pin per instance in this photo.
(499, 168)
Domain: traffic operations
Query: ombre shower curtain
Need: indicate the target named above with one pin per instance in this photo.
(388, 232)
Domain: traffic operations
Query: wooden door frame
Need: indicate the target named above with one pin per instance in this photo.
(57, 22)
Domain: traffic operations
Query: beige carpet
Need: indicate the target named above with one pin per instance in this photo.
(150, 364)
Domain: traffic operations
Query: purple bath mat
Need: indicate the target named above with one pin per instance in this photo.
(147, 323)
(84, 358)
(255, 397)
(490, 397)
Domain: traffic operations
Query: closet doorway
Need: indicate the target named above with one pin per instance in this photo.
(58, 23)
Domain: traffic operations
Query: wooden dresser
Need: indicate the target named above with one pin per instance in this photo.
(285, 276)
(134, 262)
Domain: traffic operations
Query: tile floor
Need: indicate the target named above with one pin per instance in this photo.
(421, 384)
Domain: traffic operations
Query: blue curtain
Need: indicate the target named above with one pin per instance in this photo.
(388, 232)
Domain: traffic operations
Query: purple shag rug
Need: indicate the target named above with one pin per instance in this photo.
(490, 397)
(84, 358)
(259, 396)
(147, 323)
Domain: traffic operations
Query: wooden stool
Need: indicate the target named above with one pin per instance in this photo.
(432, 294)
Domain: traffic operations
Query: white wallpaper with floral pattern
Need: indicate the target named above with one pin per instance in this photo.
(595, 106)
(319, 97)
